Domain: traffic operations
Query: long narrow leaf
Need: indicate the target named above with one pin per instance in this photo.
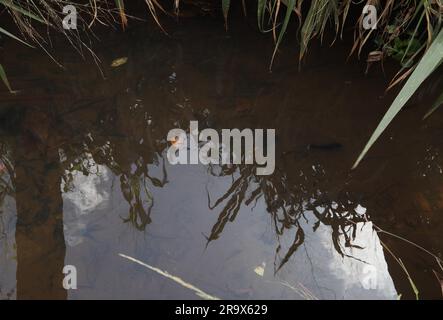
(121, 9)
(429, 62)
(260, 14)
(14, 37)
(225, 7)
(14, 7)
(290, 4)
(5, 79)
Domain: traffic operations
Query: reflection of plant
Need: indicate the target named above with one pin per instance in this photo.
(134, 184)
(138, 215)
(6, 173)
(6, 187)
(286, 204)
(235, 195)
(341, 217)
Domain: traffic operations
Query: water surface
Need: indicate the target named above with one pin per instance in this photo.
(84, 175)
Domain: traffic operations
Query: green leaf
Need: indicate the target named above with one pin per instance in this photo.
(14, 37)
(5, 79)
(14, 7)
(290, 5)
(428, 63)
(225, 7)
(261, 14)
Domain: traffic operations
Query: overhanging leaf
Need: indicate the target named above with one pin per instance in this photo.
(428, 63)
(4, 78)
(290, 5)
(14, 37)
(260, 14)
(27, 13)
(121, 9)
(225, 7)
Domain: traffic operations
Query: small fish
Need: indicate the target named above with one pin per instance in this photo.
(119, 61)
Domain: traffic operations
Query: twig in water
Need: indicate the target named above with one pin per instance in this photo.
(178, 280)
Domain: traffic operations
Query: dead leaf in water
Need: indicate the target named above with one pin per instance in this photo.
(119, 61)
(260, 270)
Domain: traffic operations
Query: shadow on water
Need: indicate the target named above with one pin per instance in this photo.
(82, 154)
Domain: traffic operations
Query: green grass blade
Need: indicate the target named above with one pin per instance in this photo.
(290, 5)
(225, 7)
(261, 13)
(429, 62)
(309, 26)
(5, 79)
(14, 37)
(14, 7)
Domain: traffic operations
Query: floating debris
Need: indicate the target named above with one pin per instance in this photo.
(119, 61)
(178, 280)
(260, 270)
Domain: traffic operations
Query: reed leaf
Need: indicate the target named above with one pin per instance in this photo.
(261, 6)
(290, 5)
(5, 32)
(4, 78)
(121, 9)
(14, 7)
(428, 63)
(225, 7)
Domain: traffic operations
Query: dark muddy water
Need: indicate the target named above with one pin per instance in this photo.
(84, 177)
